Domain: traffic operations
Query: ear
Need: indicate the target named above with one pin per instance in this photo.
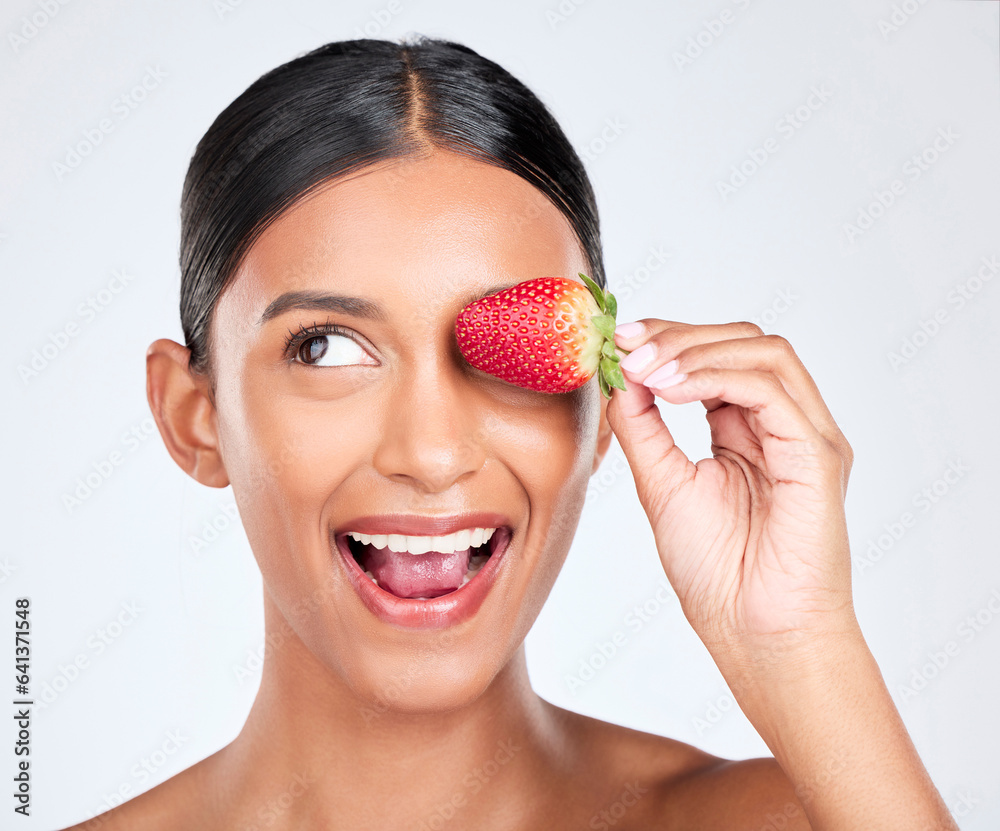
(182, 405)
(603, 435)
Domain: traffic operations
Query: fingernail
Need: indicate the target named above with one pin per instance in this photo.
(665, 376)
(628, 330)
(636, 360)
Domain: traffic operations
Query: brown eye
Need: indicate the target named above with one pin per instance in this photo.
(314, 349)
(332, 350)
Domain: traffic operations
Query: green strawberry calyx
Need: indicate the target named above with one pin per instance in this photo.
(609, 374)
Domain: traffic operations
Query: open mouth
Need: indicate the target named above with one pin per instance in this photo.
(421, 568)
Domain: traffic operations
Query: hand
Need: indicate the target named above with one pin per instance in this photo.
(753, 540)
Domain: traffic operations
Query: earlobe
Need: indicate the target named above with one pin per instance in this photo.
(184, 413)
(603, 436)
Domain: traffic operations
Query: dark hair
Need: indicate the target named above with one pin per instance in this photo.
(345, 106)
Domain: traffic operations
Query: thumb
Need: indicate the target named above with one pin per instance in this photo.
(659, 466)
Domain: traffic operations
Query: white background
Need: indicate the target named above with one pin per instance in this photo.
(775, 250)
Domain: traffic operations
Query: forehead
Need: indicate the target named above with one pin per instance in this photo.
(412, 230)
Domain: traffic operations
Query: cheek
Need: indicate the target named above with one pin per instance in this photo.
(285, 458)
(550, 448)
(556, 447)
(552, 455)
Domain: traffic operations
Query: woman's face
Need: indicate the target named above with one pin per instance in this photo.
(388, 418)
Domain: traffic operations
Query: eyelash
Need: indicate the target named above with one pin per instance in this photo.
(295, 340)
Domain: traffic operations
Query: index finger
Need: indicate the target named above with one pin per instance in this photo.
(757, 351)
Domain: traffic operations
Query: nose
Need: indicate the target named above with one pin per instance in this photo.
(435, 434)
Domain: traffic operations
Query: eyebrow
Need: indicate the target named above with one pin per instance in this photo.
(344, 304)
(321, 302)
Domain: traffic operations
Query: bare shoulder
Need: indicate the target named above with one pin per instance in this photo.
(748, 795)
(636, 779)
(173, 804)
(604, 776)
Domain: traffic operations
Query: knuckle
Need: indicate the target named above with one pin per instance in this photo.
(835, 461)
(772, 382)
(830, 454)
(780, 343)
(674, 344)
(748, 329)
(702, 379)
(848, 456)
(823, 454)
(657, 327)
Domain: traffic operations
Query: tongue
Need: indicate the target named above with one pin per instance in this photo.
(416, 575)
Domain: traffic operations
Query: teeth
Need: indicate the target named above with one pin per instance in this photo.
(459, 541)
(475, 563)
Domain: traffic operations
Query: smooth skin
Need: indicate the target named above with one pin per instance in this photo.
(359, 724)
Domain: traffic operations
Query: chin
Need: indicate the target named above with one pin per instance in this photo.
(415, 685)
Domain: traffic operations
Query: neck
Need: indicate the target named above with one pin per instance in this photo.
(313, 749)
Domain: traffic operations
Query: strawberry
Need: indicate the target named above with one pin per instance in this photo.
(550, 334)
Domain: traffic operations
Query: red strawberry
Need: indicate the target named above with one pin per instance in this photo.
(550, 334)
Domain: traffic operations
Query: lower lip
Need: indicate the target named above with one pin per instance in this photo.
(434, 613)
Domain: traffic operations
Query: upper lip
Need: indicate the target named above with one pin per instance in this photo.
(417, 525)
